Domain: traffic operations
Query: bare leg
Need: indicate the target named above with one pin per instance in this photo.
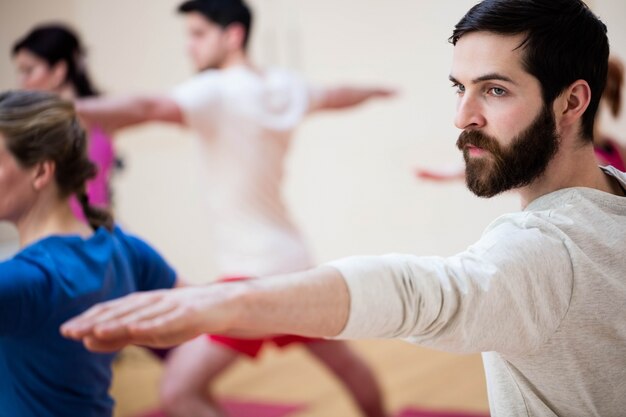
(189, 371)
(355, 375)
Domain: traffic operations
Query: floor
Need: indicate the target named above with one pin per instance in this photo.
(409, 376)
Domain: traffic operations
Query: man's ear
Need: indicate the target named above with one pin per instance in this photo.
(572, 103)
(236, 35)
(43, 174)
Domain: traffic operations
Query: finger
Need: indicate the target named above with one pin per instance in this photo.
(386, 92)
(441, 174)
(96, 345)
(125, 306)
(81, 325)
(430, 175)
(169, 329)
(109, 331)
(85, 324)
(147, 313)
(118, 328)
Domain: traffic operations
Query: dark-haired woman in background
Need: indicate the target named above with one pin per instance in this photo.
(51, 58)
(64, 265)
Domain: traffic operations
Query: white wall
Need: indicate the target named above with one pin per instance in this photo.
(350, 175)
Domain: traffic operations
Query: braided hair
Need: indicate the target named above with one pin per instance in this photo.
(40, 126)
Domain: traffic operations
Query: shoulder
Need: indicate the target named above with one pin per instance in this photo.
(286, 77)
(24, 273)
(284, 73)
(525, 237)
(202, 81)
(138, 249)
(99, 135)
(198, 92)
(128, 240)
(151, 270)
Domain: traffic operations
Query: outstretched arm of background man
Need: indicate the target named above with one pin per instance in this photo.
(314, 303)
(346, 97)
(114, 113)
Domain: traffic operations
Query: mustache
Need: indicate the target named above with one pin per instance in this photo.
(479, 140)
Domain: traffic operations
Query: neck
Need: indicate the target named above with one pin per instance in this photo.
(236, 58)
(48, 219)
(573, 167)
(66, 91)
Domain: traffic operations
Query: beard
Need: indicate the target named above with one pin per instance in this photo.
(514, 166)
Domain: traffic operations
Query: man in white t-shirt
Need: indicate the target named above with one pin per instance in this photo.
(244, 118)
(541, 293)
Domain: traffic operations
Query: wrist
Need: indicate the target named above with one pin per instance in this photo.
(233, 306)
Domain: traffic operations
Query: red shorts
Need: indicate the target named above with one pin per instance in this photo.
(252, 347)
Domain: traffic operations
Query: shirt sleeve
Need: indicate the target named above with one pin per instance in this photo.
(24, 291)
(507, 293)
(306, 97)
(198, 100)
(152, 272)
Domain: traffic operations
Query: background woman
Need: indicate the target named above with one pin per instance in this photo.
(52, 58)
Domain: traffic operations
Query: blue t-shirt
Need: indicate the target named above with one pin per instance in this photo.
(41, 373)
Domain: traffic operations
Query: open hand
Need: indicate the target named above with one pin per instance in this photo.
(156, 318)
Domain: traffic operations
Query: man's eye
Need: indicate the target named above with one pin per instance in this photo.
(498, 92)
(460, 88)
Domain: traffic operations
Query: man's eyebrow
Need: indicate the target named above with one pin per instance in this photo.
(487, 77)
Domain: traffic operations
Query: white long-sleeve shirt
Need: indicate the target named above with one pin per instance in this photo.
(542, 294)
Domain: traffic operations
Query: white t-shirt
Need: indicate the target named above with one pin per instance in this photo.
(542, 293)
(244, 122)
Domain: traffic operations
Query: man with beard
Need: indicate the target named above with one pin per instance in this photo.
(541, 294)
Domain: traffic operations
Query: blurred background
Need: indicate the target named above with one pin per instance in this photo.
(350, 175)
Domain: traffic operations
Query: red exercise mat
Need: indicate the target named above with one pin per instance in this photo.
(236, 408)
(411, 412)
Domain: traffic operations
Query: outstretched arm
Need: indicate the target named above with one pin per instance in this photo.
(450, 303)
(446, 173)
(114, 113)
(345, 97)
(312, 303)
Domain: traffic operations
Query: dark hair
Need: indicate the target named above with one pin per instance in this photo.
(39, 126)
(56, 43)
(222, 12)
(564, 42)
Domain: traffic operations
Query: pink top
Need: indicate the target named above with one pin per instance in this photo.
(609, 154)
(102, 154)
